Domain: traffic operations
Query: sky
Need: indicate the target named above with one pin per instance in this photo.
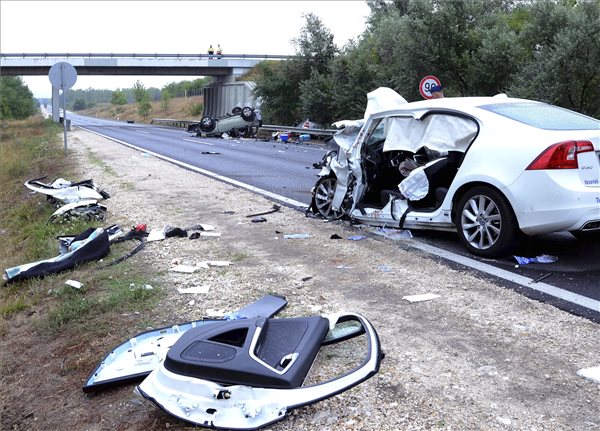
(164, 27)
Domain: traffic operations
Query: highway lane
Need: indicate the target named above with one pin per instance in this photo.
(286, 170)
(277, 167)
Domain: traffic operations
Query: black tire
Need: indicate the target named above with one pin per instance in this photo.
(207, 124)
(248, 114)
(323, 198)
(236, 111)
(486, 223)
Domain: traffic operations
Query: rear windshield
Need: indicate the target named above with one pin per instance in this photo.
(544, 116)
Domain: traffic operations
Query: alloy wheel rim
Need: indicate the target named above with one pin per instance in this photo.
(481, 222)
(324, 199)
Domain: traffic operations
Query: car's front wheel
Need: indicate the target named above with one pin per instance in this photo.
(486, 223)
(323, 199)
(248, 114)
(207, 124)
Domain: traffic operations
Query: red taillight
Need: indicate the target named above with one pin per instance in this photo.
(561, 156)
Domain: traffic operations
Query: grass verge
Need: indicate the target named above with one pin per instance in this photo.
(32, 149)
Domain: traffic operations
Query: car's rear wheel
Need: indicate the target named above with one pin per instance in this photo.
(236, 111)
(207, 124)
(323, 199)
(486, 223)
(248, 114)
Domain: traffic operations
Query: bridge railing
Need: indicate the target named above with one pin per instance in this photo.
(155, 55)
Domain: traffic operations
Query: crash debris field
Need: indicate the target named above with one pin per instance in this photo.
(469, 354)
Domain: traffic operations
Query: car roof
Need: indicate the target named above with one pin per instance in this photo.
(461, 103)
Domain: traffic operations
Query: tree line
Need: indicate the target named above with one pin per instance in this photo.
(540, 50)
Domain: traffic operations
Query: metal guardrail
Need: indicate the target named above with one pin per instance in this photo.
(171, 122)
(300, 130)
(265, 127)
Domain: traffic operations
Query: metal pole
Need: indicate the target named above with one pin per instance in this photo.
(62, 80)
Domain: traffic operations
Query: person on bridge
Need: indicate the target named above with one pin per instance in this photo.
(211, 50)
(219, 51)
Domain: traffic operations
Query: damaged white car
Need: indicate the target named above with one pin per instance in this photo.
(489, 168)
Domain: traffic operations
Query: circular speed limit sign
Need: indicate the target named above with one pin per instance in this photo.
(426, 84)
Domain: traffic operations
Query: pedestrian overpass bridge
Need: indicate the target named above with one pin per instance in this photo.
(225, 68)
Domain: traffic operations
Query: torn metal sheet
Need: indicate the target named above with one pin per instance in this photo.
(66, 191)
(244, 375)
(137, 357)
(89, 209)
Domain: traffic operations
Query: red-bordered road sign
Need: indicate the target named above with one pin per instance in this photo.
(426, 84)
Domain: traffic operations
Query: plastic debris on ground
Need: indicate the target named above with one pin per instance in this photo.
(296, 236)
(210, 234)
(543, 258)
(592, 373)
(259, 219)
(356, 237)
(394, 234)
(194, 289)
(74, 283)
(335, 236)
(156, 235)
(185, 268)
(421, 297)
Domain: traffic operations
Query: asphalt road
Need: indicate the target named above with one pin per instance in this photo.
(286, 170)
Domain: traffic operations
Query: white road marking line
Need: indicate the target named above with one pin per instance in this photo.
(199, 142)
(527, 282)
(521, 280)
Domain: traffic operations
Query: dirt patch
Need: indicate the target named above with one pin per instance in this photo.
(478, 357)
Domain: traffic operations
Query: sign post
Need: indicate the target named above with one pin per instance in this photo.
(426, 84)
(63, 76)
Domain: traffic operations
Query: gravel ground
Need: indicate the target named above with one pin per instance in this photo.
(478, 357)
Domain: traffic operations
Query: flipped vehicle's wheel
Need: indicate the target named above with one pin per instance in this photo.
(323, 198)
(236, 111)
(486, 223)
(207, 124)
(248, 114)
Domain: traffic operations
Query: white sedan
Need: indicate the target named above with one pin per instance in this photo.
(491, 168)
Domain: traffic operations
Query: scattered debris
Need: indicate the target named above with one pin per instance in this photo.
(592, 373)
(357, 237)
(156, 235)
(185, 268)
(275, 209)
(74, 283)
(210, 152)
(421, 297)
(544, 258)
(259, 220)
(296, 236)
(194, 289)
(194, 235)
(391, 233)
(171, 232)
(91, 244)
(335, 236)
(210, 234)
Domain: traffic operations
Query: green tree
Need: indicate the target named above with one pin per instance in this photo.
(16, 100)
(279, 85)
(118, 98)
(139, 91)
(565, 61)
(165, 97)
